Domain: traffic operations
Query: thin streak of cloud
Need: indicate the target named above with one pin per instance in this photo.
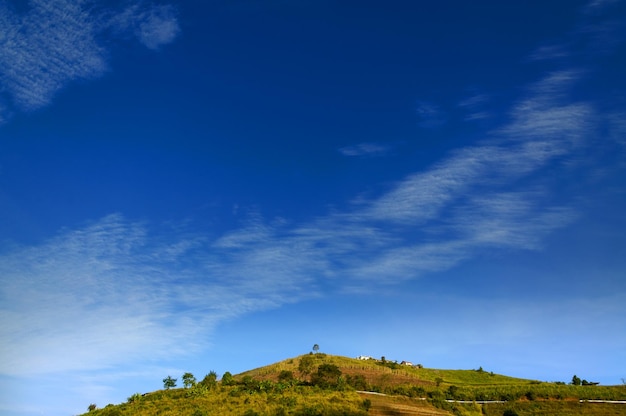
(595, 5)
(474, 106)
(364, 150)
(430, 116)
(474, 100)
(549, 52)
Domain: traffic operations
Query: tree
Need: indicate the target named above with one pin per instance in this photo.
(316, 348)
(189, 380)
(210, 380)
(92, 407)
(227, 379)
(327, 375)
(576, 381)
(169, 382)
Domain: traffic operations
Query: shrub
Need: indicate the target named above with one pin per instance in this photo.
(198, 390)
(134, 398)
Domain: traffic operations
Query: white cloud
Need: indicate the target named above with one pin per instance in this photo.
(595, 5)
(364, 149)
(429, 115)
(154, 25)
(158, 27)
(46, 48)
(56, 42)
(552, 51)
(103, 295)
(474, 106)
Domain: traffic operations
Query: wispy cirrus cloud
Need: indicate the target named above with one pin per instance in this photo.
(154, 26)
(474, 105)
(429, 115)
(99, 296)
(600, 32)
(53, 43)
(365, 150)
(57, 42)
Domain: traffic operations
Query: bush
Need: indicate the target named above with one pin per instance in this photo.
(134, 398)
(198, 390)
(327, 375)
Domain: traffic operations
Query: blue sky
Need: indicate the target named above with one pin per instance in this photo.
(198, 186)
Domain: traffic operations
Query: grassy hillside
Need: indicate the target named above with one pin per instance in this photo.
(321, 384)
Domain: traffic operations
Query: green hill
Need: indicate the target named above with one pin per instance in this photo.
(328, 385)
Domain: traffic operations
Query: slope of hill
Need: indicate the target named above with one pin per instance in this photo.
(321, 384)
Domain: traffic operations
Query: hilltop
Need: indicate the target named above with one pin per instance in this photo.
(328, 385)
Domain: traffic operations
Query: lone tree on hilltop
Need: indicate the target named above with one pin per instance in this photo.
(576, 381)
(169, 382)
(316, 348)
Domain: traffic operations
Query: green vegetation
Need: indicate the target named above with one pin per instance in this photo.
(253, 398)
(169, 383)
(189, 380)
(321, 384)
